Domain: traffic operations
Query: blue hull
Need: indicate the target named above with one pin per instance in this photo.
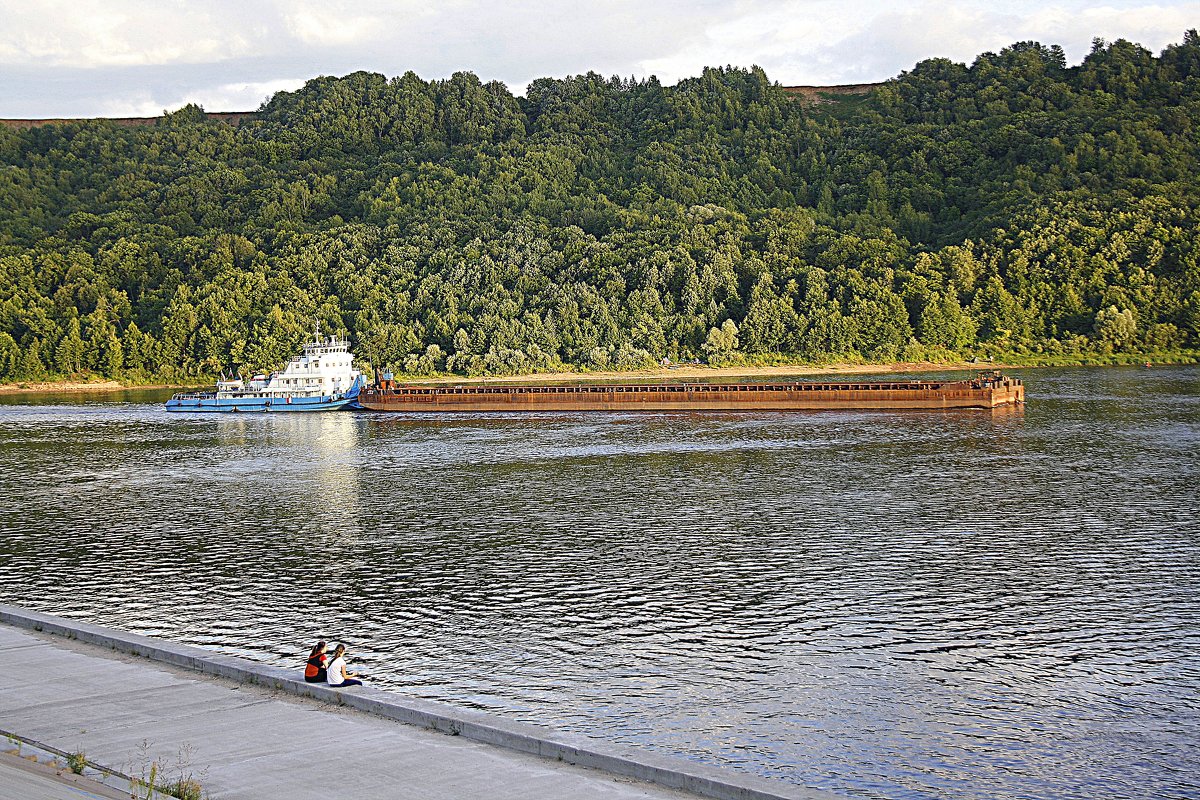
(257, 405)
(208, 402)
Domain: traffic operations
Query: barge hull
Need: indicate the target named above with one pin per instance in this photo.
(982, 394)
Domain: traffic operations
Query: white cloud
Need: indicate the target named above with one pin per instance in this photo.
(325, 24)
(897, 39)
(88, 34)
(225, 97)
(72, 57)
(819, 42)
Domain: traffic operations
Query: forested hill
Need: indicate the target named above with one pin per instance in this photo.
(1015, 205)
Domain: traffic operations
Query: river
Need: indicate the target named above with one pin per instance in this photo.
(886, 605)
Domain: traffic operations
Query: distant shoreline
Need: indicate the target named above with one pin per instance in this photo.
(705, 372)
(684, 371)
(691, 371)
(81, 387)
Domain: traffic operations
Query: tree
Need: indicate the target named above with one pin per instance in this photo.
(605, 222)
(770, 320)
(721, 344)
(32, 368)
(1115, 328)
(69, 354)
(10, 357)
(941, 322)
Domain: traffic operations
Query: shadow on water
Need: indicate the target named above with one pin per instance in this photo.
(961, 604)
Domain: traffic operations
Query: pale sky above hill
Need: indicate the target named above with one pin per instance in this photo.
(139, 57)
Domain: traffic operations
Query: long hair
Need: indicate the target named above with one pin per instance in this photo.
(337, 651)
(316, 650)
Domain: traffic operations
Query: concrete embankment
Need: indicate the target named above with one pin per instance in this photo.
(260, 731)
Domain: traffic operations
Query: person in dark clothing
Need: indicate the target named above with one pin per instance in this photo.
(314, 668)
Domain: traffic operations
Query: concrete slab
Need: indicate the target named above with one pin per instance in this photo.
(248, 741)
(21, 780)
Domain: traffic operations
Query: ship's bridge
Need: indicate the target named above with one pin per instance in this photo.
(325, 367)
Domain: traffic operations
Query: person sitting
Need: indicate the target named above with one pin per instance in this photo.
(314, 668)
(337, 675)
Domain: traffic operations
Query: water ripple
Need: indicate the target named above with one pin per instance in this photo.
(888, 605)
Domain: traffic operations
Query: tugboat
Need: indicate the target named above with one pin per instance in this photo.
(321, 378)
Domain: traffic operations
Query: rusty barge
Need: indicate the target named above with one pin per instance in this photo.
(985, 391)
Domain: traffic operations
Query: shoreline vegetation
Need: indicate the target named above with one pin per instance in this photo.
(81, 386)
(1014, 205)
(684, 371)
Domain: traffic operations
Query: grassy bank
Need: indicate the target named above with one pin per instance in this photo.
(1095, 360)
(767, 367)
(781, 367)
(83, 386)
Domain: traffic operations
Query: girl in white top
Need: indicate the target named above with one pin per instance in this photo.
(337, 676)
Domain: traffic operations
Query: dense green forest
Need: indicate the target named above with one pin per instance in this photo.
(1013, 207)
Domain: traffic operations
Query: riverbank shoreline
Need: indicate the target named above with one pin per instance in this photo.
(82, 387)
(705, 372)
(712, 374)
(685, 371)
(676, 371)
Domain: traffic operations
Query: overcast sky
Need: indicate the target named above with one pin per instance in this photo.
(138, 57)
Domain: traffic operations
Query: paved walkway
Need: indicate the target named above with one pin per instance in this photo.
(252, 743)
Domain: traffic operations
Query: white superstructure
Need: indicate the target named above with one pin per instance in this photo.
(325, 368)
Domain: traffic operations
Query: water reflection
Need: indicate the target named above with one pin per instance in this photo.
(889, 605)
(303, 468)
